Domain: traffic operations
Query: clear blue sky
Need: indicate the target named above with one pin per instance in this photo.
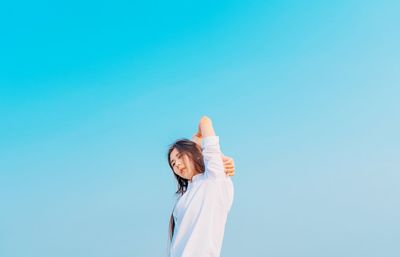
(303, 94)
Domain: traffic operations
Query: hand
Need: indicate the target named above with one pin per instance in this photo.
(198, 133)
(196, 139)
(229, 165)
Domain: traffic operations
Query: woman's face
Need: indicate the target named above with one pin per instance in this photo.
(182, 165)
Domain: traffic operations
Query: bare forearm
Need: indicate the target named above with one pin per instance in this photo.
(206, 127)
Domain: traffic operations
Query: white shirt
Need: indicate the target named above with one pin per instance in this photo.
(201, 212)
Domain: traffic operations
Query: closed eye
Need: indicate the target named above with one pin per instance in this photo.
(173, 162)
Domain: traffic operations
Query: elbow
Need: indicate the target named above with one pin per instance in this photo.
(205, 120)
(206, 127)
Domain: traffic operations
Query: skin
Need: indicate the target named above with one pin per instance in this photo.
(181, 163)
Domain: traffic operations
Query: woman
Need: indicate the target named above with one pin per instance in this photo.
(205, 193)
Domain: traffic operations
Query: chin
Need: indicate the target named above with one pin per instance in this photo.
(185, 177)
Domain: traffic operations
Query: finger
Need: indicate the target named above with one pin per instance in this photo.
(229, 171)
(228, 162)
(229, 167)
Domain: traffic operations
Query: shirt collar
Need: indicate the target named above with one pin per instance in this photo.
(197, 177)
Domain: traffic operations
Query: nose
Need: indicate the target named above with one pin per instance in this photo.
(179, 166)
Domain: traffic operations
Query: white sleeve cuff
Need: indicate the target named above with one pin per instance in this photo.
(209, 141)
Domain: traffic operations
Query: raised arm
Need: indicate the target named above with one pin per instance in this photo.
(205, 129)
(211, 149)
(205, 122)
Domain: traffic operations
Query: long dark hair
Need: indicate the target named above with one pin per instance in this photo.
(193, 151)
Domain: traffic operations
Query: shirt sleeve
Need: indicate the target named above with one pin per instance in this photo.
(212, 155)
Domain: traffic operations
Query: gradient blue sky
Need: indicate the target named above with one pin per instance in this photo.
(304, 95)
